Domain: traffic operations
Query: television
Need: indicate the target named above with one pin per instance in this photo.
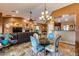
(17, 29)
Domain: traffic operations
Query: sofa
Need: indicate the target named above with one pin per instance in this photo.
(22, 37)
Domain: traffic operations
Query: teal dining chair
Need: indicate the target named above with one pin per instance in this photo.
(36, 47)
(53, 48)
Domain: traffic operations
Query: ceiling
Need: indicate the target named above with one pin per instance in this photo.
(24, 8)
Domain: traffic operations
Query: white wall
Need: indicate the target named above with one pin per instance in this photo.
(69, 36)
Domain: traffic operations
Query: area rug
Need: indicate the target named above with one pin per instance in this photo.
(25, 50)
(29, 52)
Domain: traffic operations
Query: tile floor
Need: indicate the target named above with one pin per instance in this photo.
(25, 50)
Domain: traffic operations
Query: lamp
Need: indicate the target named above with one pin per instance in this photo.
(7, 25)
(44, 15)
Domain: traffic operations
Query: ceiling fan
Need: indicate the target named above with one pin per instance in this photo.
(31, 20)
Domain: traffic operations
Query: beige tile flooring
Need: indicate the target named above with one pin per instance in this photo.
(17, 50)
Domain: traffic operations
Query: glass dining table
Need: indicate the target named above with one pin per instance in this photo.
(44, 40)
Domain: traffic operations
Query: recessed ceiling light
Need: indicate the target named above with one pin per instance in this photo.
(15, 11)
(13, 15)
(66, 15)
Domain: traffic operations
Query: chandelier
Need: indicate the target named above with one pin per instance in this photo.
(45, 15)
